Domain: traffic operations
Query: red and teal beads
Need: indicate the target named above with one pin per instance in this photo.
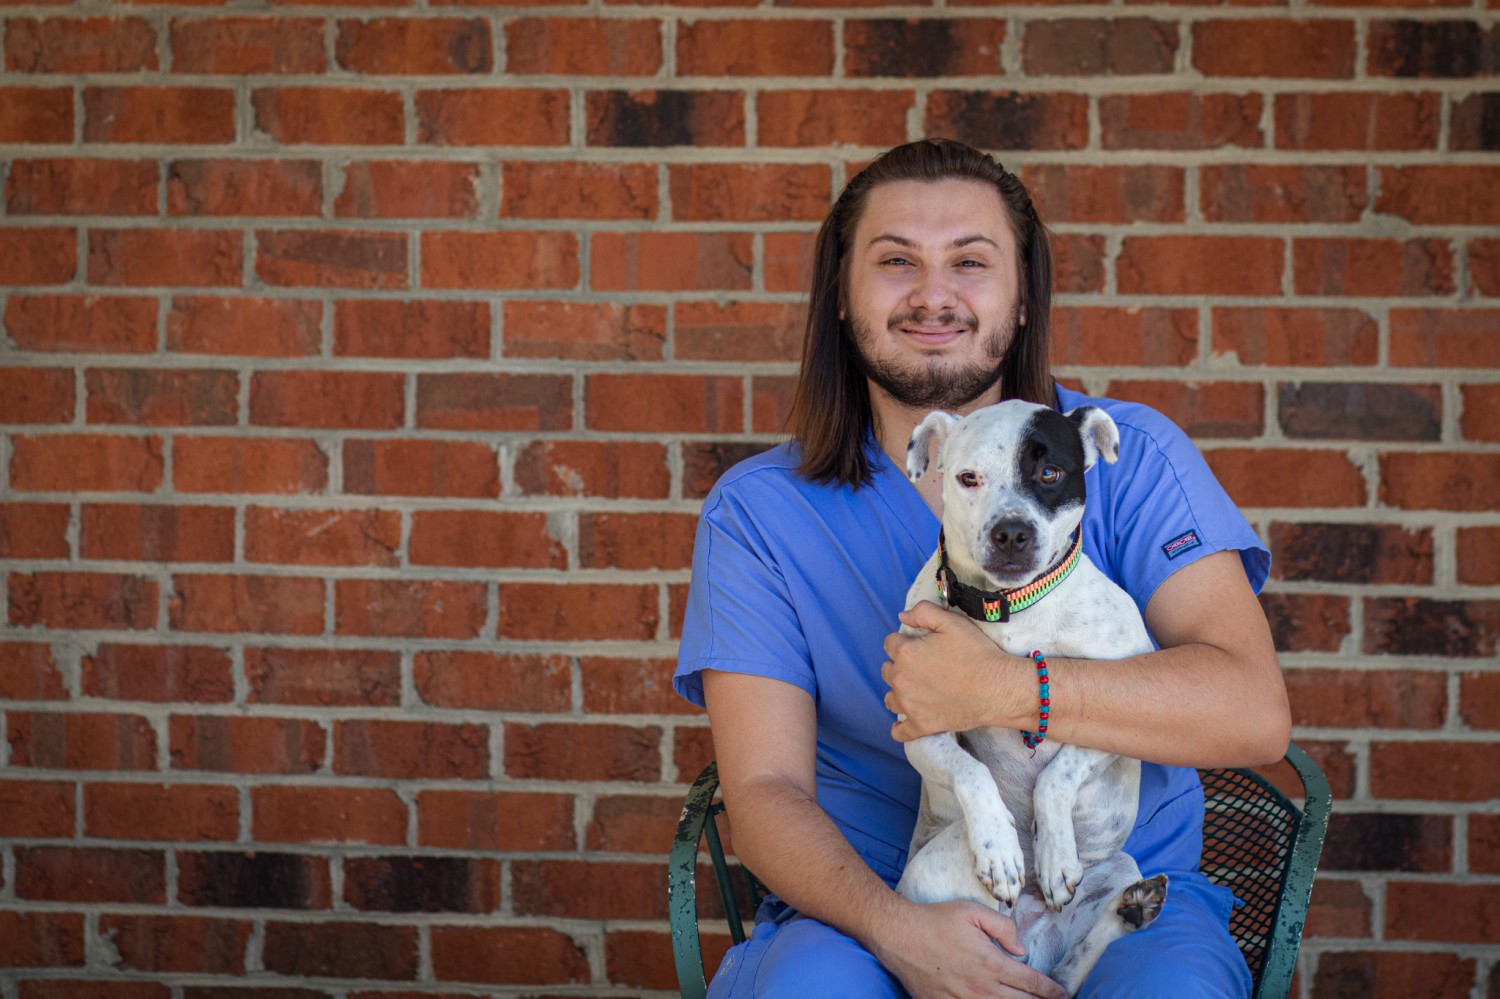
(1044, 706)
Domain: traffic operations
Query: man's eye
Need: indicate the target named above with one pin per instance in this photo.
(968, 480)
(1051, 475)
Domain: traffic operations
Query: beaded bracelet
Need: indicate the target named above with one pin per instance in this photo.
(1044, 707)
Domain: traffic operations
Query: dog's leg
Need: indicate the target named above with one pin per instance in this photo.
(1135, 907)
(1058, 867)
(998, 861)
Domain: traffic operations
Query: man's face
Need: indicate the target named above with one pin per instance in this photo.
(932, 291)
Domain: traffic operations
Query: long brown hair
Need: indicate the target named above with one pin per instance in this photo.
(830, 410)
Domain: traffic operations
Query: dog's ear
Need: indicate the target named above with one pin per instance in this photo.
(1100, 436)
(935, 424)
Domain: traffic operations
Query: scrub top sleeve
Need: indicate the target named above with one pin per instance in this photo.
(740, 617)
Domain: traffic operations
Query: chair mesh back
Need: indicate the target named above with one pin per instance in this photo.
(1249, 829)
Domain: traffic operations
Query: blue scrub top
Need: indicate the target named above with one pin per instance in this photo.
(801, 582)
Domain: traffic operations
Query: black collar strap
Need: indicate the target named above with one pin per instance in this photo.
(999, 605)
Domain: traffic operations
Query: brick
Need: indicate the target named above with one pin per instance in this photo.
(275, 605)
(246, 745)
(1438, 480)
(254, 327)
(485, 539)
(657, 118)
(1124, 336)
(509, 117)
(89, 324)
(1352, 553)
(341, 950)
(670, 261)
(1441, 976)
(811, 118)
(495, 402)
(703, 462)
(1277, 477)
(1258, 193)
(1484, 843)
(666, 403)
(1478, 555)
(248, 465)
(739, 331)
(36, 809)
(636, 540)
(1479, 700)
(90, 874)
(1078, 263)
(561, 888)
(81, 187)
(75, 600)
(579, 612)
(36, 395)
(28, 672)
(1484, 266)
(1449, 913)
(80, 45)
(36, 114)
(489, 682)
(770, 404)
(632, 823)
(495, 820)
(1338, 909)
(411, 329)
(1443, 49)
(33, 530)
(1121, 46)
(578, 190)
(1316, 49)
(323, 677)
(173, 257)
(1475, 123)
(42, 939)
(184, 944)
(162, 397)
(421, 468)
(569, 751)
(717, 48)
(1371, 267)
(1357, 121)
(1207, 409)
(731, 192)
(1200, 265)
(80, 741)
(411, 750)
(1009, 120)
(1296, 337)
(1337, 762)
(245, 188)
(1445, 338)
(692, 750)
(159, 115)
(643, 959)
(617, 469)
(1440, 195)
(362, 260)
(630, 686)
(922, 47)
(505, 954)
(499, 260)
(373, 815)
(415, 46)
(583, 46)
(409, 608)
(592, 331)
(389, 190)
(1360, 411)
(1306, 622)
(422, 884)
(85, 463)
(179, 673)
(38, 256)
(1363, 698)
(1180, 121)
(259, 880)
(329, 116)
(1419, 626)
(248, 46)
(160, 811)
(1111, 194)
(345, 400)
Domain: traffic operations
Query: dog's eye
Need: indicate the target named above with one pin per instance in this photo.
(1051, 475)
(968, 480)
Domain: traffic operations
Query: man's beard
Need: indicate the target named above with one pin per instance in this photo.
(935, 384)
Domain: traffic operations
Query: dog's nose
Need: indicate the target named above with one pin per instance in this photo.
(1013, 537)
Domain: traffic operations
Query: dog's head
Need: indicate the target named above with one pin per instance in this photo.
(1012, 483)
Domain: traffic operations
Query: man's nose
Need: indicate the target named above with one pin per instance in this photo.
(935, 290)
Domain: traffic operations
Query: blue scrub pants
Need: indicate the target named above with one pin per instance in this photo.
(1186, 952)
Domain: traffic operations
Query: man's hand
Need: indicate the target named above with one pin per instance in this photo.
(948, 950)
(953, 677)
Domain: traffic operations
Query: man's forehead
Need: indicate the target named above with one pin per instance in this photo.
(954, 211)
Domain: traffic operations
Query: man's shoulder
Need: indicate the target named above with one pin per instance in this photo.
(1149, 427)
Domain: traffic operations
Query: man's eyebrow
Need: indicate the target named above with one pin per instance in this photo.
(958, 243)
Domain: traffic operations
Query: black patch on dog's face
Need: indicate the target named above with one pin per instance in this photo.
(1050, 441)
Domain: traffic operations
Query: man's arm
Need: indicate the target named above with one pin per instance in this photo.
(765, 740)
(1212, 696)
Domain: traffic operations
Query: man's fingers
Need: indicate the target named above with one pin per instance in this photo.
(923, 614)
(1000, 929)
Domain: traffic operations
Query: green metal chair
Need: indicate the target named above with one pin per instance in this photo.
(1256, 842)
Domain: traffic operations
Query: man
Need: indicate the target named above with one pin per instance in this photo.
(932, 290)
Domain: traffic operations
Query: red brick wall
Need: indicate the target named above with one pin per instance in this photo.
(364, 366)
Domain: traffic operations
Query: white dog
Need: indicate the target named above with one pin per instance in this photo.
(1029, 827)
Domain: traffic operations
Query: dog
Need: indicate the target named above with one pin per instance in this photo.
(1027, 826)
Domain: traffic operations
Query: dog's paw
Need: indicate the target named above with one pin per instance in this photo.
(999, 863)
(1141, 902)
(1058, 870)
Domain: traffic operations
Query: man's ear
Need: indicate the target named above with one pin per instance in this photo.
(1100, 436)
(934, 426)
